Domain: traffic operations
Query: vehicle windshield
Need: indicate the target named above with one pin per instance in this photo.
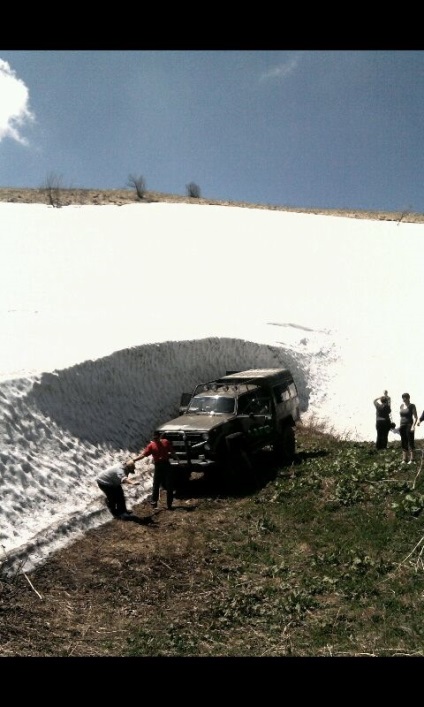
(210, 404)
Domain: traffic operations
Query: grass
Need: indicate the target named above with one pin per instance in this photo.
(323, 558)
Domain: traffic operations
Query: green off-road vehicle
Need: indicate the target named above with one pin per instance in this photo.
(223, 422)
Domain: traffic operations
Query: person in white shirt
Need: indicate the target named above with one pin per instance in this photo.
(110, 482)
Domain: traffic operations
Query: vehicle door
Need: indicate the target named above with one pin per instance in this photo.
(255, 412)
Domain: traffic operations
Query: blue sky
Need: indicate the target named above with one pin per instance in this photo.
(302, 128)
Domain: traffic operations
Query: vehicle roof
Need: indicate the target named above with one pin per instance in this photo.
(228, 391)
(256, 373)
(243, 381)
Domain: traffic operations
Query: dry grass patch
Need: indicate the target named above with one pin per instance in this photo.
(119, 197)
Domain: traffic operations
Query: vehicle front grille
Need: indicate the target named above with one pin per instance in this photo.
(185, 444)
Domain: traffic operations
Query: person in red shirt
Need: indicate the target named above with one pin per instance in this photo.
(161, 450)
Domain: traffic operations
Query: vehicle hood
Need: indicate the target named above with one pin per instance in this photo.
(195, 423)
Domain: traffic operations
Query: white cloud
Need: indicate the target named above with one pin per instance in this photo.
(282, 70)
(14, 105)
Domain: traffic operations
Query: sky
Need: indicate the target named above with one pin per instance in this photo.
(337, 129)
(109, 313)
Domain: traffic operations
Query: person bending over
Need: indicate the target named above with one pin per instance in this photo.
(110, 482)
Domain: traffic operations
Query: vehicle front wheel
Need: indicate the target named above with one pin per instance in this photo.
(181, 479)
(285, 447)
(238, 464)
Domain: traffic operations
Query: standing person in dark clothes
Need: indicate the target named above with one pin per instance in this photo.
(408, 420)
(383, 420)
(161, 451)
(110, 482)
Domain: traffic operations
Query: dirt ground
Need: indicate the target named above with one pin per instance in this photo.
(87, 598)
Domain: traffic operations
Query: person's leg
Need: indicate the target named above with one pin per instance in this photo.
(385, 435)
(120, 503)
(404, 442)
(380, 435)
(411, 445)
(169, 484)
(109, 492)
(156, 485)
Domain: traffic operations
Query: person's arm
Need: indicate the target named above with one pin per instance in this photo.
(171, 451)
(376, 403)
(414, 417)
(421, 418)
(129, 467)
(144, 453)
(121, 475)
(130, 482)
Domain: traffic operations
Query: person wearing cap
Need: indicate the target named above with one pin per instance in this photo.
(110, 482)
(161, 450)
(383, 420)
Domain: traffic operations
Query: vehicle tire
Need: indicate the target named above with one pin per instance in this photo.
(183, 476)
(181, 479)
(239, 467)
(285, 447)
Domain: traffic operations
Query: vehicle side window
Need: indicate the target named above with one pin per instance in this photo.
(245, 405)
(284, 392)
(292, 390)
(264, 406)
(254, 404)
(278, 391)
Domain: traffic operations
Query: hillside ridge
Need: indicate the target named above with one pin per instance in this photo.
(120, 197)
